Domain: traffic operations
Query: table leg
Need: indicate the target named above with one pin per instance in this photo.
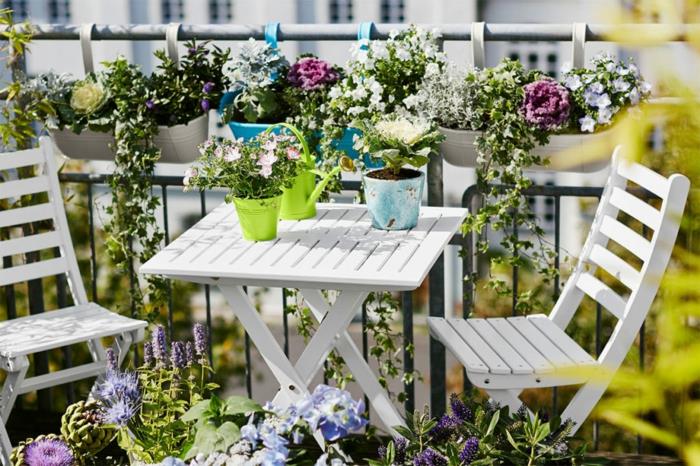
(290, 382)
(378, 397)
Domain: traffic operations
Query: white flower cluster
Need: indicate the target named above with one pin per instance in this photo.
(604, 90)
(381, 73)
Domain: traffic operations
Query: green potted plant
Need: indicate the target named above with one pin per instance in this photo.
(258, 76)
(255, 172)
(394, 193)
(181, 96)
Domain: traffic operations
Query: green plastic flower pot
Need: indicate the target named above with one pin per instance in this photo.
(297, 201)
(258, 217)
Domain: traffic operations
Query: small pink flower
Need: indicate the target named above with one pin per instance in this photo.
(293, 153)
(219, 152)
(232, 154)
(265, 170)
(271, 145)
(189, 173)
(267, 159)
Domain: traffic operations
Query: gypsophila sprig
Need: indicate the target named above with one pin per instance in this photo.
(399, 141)
(257, 169)
(602, 92)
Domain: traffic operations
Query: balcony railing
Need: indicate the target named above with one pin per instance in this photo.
(436, 289)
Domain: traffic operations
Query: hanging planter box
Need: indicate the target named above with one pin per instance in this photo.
(458, 149)
(87, 145)
(180, 143)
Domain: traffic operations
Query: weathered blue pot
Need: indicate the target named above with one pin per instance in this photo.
(240, 129)
(394, 204)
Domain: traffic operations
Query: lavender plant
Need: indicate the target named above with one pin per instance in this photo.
(478, 433)
(148, 405)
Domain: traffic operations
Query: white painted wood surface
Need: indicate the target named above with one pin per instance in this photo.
(506, 355)
(83, 323)
(338, 249)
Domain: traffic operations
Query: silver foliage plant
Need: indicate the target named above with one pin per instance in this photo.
(447, 98)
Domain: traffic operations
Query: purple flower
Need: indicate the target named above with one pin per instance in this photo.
(112, 364)
(177, 355)
(119, 385)
(208, 87)
(191, 50)
(310, 73)
(189, 353)
(205, 104)
(429, 457)
(150, 104)
(201, 342)
(400, 445)
(160, 347)
(546, 105)
(48, 452)
(119, 413)
(444, 429)
(470, 450)
(459, 409)
(148, 353)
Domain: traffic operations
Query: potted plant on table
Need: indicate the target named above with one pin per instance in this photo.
(394, 193)
(258, 77)
(180, 97)
(255, 172)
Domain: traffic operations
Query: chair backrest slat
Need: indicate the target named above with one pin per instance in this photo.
(641, 281)
(46, 180)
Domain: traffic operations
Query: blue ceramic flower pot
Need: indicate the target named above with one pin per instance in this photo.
(394, 204)
(345, 144)
(240, 129)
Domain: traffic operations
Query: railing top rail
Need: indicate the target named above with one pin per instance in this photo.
(330, 32)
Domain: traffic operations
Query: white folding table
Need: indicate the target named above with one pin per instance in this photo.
(336, 250)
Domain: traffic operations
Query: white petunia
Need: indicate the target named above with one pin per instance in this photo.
(621, 85)
(573, 82)
(603, 101)
(587, 124)
(634, 96)
(604, 115)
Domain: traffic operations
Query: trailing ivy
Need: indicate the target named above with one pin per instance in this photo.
(134, 235)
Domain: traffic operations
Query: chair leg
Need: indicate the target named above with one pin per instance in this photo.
(121, 346)
(583, 403)
(5, 446)
(16, 372)
(506, 398)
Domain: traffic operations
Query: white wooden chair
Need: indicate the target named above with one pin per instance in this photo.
(84, 322)
(504, 356)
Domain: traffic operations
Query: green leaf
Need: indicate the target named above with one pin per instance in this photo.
(493, 423)
(240, 405)
(197, 411)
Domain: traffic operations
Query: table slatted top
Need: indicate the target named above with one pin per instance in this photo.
(338, 249)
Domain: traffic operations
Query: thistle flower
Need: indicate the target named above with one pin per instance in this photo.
(429, 457)
(48, 452)
(177, 355)
(547, 104)
(119, 413)
(311, 73)
(201, 340)
(119, 385)
(148, 354)
(460, 411)
(112, 364)
(160, 348)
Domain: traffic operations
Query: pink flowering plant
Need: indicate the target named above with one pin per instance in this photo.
(257, 169)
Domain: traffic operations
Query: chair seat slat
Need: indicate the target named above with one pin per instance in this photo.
(444, 332)
(537, 339)
(502, 346)
(486, 353)
(602, 293)
(636, 208)
(537, 361)
(557, 336)
(615, 266)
